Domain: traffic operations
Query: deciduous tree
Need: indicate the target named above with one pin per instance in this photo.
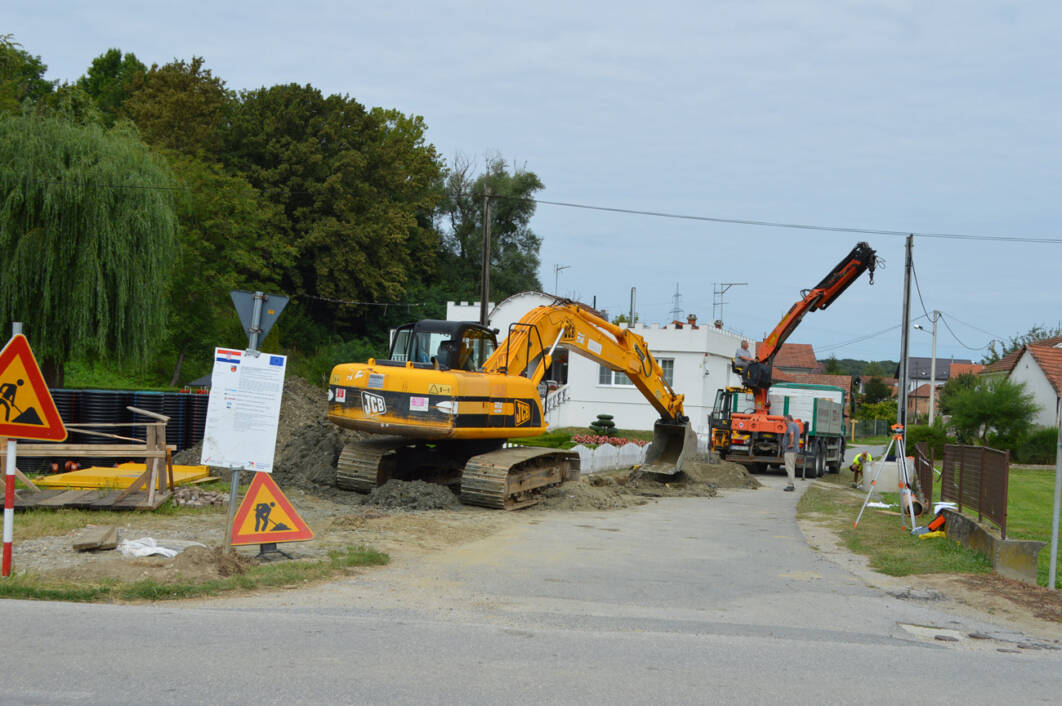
(356, 190)
(110, 80)
(21, 76)
(87, 227)
(994, 404)
(514, 246)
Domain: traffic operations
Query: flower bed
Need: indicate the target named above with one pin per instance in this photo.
(592, 440)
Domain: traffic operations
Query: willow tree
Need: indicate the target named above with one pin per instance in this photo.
(87, 232)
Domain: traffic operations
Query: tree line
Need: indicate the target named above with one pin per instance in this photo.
(135, 198)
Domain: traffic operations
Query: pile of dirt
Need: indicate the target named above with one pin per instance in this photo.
(193, 565)
(308, 445)
(623, 488)
(723, 474)
(307, 458)
(413, 495)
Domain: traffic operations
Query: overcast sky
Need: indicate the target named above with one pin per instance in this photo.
(938, 117)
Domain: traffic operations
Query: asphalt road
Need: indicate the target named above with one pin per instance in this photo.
(699, 600)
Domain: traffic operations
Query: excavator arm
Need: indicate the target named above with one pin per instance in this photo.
(527, 351)
(757, 376)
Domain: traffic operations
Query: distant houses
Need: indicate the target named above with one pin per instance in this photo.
(1039, 366)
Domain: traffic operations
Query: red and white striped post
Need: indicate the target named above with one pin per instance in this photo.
(9, 490)
(9, 506)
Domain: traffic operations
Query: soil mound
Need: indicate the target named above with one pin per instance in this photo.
(724, 474)
(193, 565)
(412, 495)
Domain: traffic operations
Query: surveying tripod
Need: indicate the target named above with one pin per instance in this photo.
(903, 479)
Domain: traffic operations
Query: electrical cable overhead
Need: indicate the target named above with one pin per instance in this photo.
(682, 216)
(984, 347)
(782, 224)
(964, 323)
(860, 339)
(919, 290)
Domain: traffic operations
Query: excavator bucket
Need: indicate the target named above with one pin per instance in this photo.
(672, 444)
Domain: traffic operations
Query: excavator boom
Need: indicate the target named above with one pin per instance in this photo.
(448, 398)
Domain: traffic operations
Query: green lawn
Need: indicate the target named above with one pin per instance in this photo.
(1030, 498)
(881, 536)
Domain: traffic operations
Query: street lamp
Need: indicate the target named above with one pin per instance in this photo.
(932, 367)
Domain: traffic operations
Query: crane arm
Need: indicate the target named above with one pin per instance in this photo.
(757, 376)
(527, 351)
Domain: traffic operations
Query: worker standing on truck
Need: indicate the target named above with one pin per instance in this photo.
(790, 446)
(743, 356)
(860, 462)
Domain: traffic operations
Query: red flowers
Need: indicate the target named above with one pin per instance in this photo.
(597, 440)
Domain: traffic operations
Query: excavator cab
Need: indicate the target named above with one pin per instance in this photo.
(452, 345)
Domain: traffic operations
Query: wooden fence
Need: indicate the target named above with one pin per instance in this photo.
(977, 477)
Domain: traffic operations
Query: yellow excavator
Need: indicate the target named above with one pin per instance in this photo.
(442, 405)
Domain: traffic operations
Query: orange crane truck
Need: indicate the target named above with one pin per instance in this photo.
(754, 437)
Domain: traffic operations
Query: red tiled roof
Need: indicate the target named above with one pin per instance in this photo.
(1007, 362)
(794, 355)
(920, 391)
(1004, 364)
(1050, 361)
(958, 369)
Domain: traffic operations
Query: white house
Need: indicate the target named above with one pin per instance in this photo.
(695, 358)
(1039, 366)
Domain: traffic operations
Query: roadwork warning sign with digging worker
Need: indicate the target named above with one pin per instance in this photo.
(27, 410)
(266, 516)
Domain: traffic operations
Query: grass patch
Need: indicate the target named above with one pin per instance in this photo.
(1030, 499)
(273, 575)
(890, 549)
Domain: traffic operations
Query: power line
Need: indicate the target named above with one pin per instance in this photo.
(984, 347)
(988, 333)
(859, 339)
(919, 290)
(688, 217)
(798, 226)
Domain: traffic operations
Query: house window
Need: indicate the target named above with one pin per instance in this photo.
(611, 377)
(668, 366)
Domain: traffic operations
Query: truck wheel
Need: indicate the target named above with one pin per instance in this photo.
(820, 459)
(836, 467)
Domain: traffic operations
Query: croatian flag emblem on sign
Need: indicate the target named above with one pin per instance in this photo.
(227, 356)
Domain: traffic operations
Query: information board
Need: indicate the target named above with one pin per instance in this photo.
(244, 410)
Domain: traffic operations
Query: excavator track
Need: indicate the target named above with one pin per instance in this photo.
(361, 465)
(510, 479)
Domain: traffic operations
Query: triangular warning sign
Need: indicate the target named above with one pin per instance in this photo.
(26, 407)
(265, 516)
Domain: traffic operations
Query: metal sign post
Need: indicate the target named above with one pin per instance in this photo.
(9, 491)
(258, 312)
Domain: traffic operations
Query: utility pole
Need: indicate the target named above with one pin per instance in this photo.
(932, 368)
(901, 412)
(720, 288)
(485, 295)
(933, 371)
(1052, 572)
(630, 321)
(556, 277)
